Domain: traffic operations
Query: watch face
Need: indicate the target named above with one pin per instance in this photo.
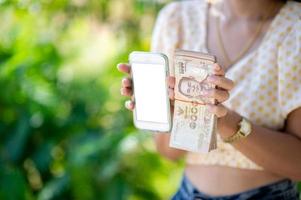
(245, 128)
(244, 134)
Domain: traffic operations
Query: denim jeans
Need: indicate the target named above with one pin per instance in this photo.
(281, 190)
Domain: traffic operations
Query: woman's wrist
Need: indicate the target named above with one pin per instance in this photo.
(228, 125)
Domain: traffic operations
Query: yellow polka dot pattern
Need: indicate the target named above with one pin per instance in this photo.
(268, 80)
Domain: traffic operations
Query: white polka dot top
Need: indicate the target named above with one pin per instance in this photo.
(268, 80)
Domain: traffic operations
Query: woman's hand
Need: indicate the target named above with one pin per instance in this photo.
(220, 93)
(126, 85)
(127, 90)
(161, 140)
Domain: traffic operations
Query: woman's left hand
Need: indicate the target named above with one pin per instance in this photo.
(220, 93)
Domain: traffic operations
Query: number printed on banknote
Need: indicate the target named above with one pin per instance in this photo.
(194, 127)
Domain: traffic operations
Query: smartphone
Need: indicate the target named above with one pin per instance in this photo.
(149, 75)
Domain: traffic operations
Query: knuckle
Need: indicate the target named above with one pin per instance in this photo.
(171, 84)
(211, 78)
(227, 95)
(126, 81)
(223, 110)
(222, 71)
(232, 84)
(214, 109)
(214, 93)
(218, 94)
(171, 78)
(218, 80)
(218, 108)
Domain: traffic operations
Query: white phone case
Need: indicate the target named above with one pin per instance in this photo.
(151, 58)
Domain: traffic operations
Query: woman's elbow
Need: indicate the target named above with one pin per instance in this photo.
(170, 153)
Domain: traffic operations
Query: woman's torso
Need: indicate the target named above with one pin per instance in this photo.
(215, 180)
(259, 96)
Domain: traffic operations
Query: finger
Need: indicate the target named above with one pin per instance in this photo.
(126, 91)
(171, 81)
(126, 82)
(219, 110)
(171, 94)
(221, 81)
(172, 103)
(129, 104)
(123, 67)
(218, 94)
(218, 70)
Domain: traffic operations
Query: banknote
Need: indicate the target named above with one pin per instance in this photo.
(194, 127)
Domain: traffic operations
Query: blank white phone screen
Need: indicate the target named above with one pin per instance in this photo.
(150, 92)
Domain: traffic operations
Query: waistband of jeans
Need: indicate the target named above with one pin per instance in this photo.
(281, 185)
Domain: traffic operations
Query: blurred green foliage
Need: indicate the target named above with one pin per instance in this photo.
(64, 132)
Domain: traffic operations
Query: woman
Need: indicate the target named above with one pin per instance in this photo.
(258, 47)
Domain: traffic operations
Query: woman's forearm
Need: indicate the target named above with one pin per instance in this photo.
(275, 151)
(162, 144)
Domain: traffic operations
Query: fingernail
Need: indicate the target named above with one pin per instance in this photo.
(217, 67)
(127, 104)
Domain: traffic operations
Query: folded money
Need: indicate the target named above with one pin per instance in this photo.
(194, 127)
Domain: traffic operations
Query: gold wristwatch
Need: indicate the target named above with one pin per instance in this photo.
(245, 128)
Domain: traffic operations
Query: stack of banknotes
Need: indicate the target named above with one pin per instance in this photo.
(194, 127)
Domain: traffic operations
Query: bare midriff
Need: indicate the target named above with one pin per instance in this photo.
(222, 180)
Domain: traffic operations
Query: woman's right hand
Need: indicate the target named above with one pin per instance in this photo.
(127, 89)
(126, 85)
(161, 140)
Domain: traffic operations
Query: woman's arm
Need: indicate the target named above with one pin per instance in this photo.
(222, 94)
(278, 152)
(162, 144)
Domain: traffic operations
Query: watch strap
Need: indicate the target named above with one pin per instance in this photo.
(233, 138)
(239, 134)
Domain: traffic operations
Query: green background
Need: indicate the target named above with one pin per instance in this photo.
(64, 132)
